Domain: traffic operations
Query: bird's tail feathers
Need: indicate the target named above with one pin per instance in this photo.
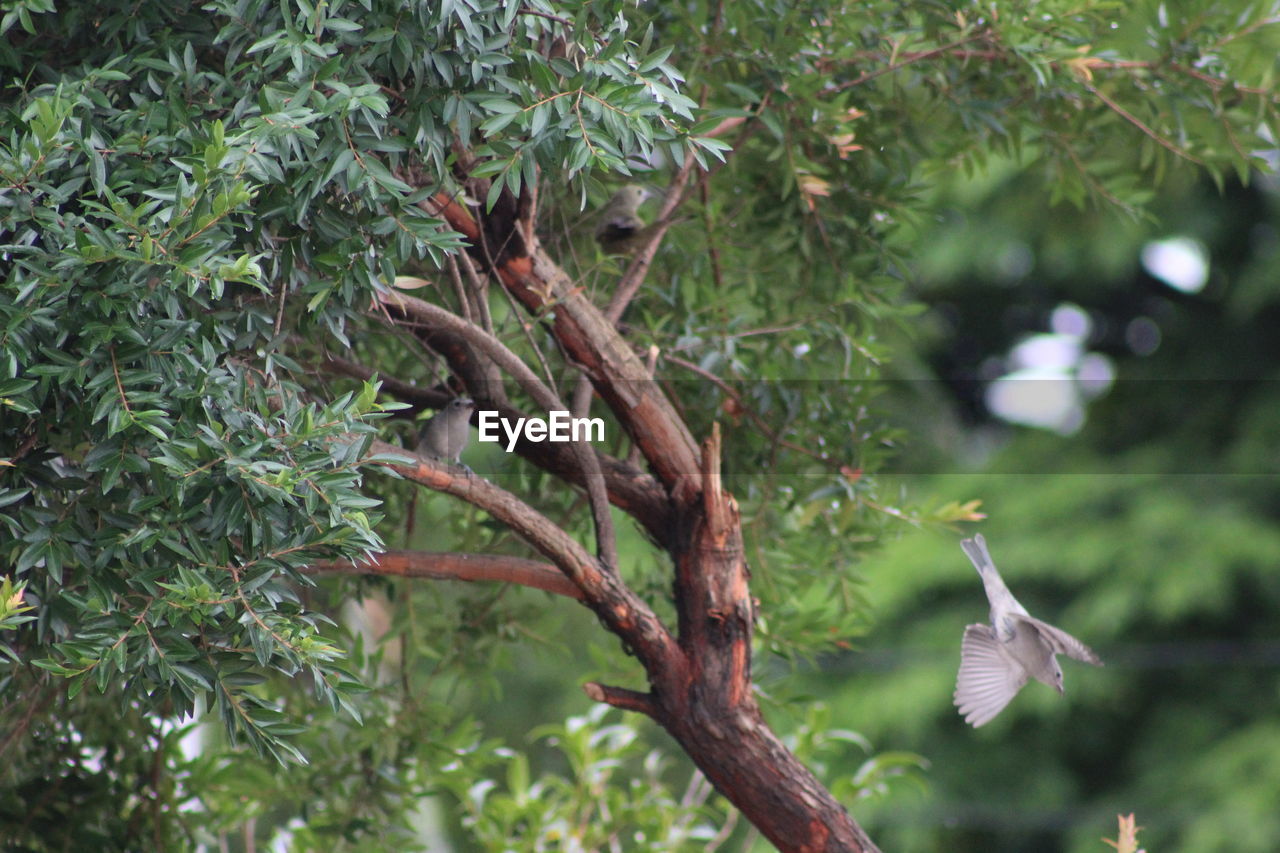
(976, 550)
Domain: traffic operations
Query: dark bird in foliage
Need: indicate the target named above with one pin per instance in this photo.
(620, 229)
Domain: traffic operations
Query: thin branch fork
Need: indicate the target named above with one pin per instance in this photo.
(435, 316)
(589, 340)
(634, 277)
(754, 416)
(622, 611)
(628, 488)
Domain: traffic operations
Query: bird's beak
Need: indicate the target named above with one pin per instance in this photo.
(1058, 687)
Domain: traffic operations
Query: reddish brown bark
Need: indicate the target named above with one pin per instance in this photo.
(450, 566)
(700, 673)
(630, 489)
(714, 715)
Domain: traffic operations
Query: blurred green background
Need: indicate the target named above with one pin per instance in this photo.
(1140, 515)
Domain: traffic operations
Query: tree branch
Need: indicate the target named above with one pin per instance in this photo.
(634, 277)
(766, 430)
(910, 59)
(618, 697)
(454, 566)
(591, 342)
(621, 610)
(1136, 122)
(437, 317)
(628, 488)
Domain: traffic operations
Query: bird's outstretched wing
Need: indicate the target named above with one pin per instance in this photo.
(989, 677)
(1061, 642)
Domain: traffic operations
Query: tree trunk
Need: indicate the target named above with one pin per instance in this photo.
(700, 674)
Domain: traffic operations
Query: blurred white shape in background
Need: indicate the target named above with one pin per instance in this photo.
(1180, 262)
(1052, 375)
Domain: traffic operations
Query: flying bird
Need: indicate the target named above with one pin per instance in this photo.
(997, 659)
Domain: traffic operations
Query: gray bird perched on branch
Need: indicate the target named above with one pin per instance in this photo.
(446, 434)
(620, 229)
(997, 659)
